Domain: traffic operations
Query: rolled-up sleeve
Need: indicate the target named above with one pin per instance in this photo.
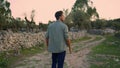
(66, 35)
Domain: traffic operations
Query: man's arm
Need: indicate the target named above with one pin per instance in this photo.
(69, 45)
(47, 42)
(68, 42)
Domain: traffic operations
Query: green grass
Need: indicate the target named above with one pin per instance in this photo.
(77, 48)
(9, 60)
(107, 54)
(81, 39)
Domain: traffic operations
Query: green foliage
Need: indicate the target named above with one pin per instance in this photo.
(115, 24)
(3, 61)
(5, 13)
(85, 16)
(99, 24)
(81, 15)
(43, 27)
(8, 22)
(80, 4)
(102, 24)
(4, 8)
(92, 13)
(117, 35)
(68, 20)
(81, 20)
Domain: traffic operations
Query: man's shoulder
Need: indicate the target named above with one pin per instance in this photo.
(63, 24)
(50, 25)
(57, 22)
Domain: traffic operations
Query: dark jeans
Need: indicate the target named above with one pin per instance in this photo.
(58, 59)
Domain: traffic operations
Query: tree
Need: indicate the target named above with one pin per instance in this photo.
(31, 24)
(87, 7)
(42, 26)
(5, 8)
(92, 13)
(116, 24)
(32, 16)
(83, 13)
(99, 24)
(5, 13)
(68, 20)
(81, 20)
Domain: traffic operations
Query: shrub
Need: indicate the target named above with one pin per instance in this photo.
(3, 61)
(117, 34)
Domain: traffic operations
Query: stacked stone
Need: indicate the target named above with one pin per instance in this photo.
(15, 41)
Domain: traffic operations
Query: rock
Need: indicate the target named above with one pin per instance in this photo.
(14, 41)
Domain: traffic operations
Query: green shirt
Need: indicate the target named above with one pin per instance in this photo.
(57, 33)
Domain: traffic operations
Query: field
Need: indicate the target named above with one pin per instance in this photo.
(89, 52)
(106, 54)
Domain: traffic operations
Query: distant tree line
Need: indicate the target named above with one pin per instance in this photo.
(83, 16)
(7, 21)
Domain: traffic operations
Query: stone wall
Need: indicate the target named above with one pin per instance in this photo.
(12, 41)
(101, 31)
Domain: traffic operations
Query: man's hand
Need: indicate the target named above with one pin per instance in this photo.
(69, 45)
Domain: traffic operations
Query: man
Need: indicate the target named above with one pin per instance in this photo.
(57, 40)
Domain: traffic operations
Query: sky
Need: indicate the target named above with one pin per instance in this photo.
(108, 9)
(45, 9)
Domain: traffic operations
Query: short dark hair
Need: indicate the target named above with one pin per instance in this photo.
(58, 14)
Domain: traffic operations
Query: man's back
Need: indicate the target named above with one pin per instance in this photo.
(57, 39)
(57, 33)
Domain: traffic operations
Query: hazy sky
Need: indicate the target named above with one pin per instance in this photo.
(108, 9)
(45, 9)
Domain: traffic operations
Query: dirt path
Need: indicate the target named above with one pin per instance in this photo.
(78, 59)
